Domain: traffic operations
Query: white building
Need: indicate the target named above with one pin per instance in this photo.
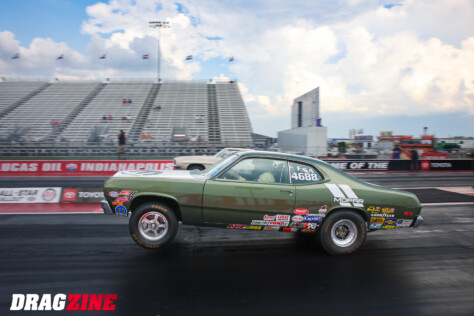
(307, 136)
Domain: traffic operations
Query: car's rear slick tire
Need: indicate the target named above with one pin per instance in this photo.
(343, 233)
(153, 225)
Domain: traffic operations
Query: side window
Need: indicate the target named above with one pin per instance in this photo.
(258, 170)
(303, 174)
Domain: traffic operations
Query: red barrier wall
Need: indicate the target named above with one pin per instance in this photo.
(78, 167)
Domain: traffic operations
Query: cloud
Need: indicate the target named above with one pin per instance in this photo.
(368, 57)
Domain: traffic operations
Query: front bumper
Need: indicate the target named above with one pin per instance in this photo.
(177, 167)
(106, 207)
(418, 222)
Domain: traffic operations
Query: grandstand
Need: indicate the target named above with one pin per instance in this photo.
(90, 113)
(181, 105)
(33, 117)
(90, 122)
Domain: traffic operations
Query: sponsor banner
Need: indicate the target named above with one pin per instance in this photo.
(359, 165)
(428, 163)
(82, 195)
(446, 165)
(30, 195)
(79, 167)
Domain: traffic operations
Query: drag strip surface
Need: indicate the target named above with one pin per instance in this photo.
(428, 271)
(206, 271)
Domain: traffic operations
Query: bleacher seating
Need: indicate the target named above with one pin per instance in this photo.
(233, 119)
(54, 103)
(183, 104)
(109, 102)
(11, 92)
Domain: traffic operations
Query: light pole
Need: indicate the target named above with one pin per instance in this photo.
(159, 25)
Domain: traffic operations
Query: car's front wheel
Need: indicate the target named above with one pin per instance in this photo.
(343, 233)
(153, 225)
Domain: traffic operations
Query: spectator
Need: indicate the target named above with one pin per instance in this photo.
(124, 118)
(124, 101)
(148, 136)
(129, 119)
(110, 117)
(129, 101)
(148, 123)
(142, 137)
(414, 160)
(104, 118)
(164, 141)
(396, 152)
(121, 141)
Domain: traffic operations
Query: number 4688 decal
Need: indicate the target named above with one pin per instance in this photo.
(304, 176)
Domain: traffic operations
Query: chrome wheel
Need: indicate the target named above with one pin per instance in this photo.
(344, 233)
(153, 226)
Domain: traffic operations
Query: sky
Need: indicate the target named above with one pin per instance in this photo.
(381, 65)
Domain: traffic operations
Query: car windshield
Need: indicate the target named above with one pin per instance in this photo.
(219, 166)
(224, 153)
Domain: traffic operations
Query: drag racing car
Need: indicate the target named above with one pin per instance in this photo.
(203, 162)
(260, 191)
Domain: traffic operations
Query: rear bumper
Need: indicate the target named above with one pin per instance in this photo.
(106, 207)
(418, 222)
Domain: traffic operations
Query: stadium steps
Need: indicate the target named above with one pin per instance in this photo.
(24, 99)
(142, 116)
(213, 122)
(66, 121)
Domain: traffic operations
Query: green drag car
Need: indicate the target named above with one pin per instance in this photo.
(259, 191)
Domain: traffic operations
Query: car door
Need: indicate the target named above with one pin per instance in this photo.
(313, 194)
(254, 191)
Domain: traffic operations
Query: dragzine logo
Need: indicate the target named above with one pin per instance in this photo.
(61, 302)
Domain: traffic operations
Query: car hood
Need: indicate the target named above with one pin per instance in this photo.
(165, 174)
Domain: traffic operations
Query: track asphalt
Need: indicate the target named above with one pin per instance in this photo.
(206, 271)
